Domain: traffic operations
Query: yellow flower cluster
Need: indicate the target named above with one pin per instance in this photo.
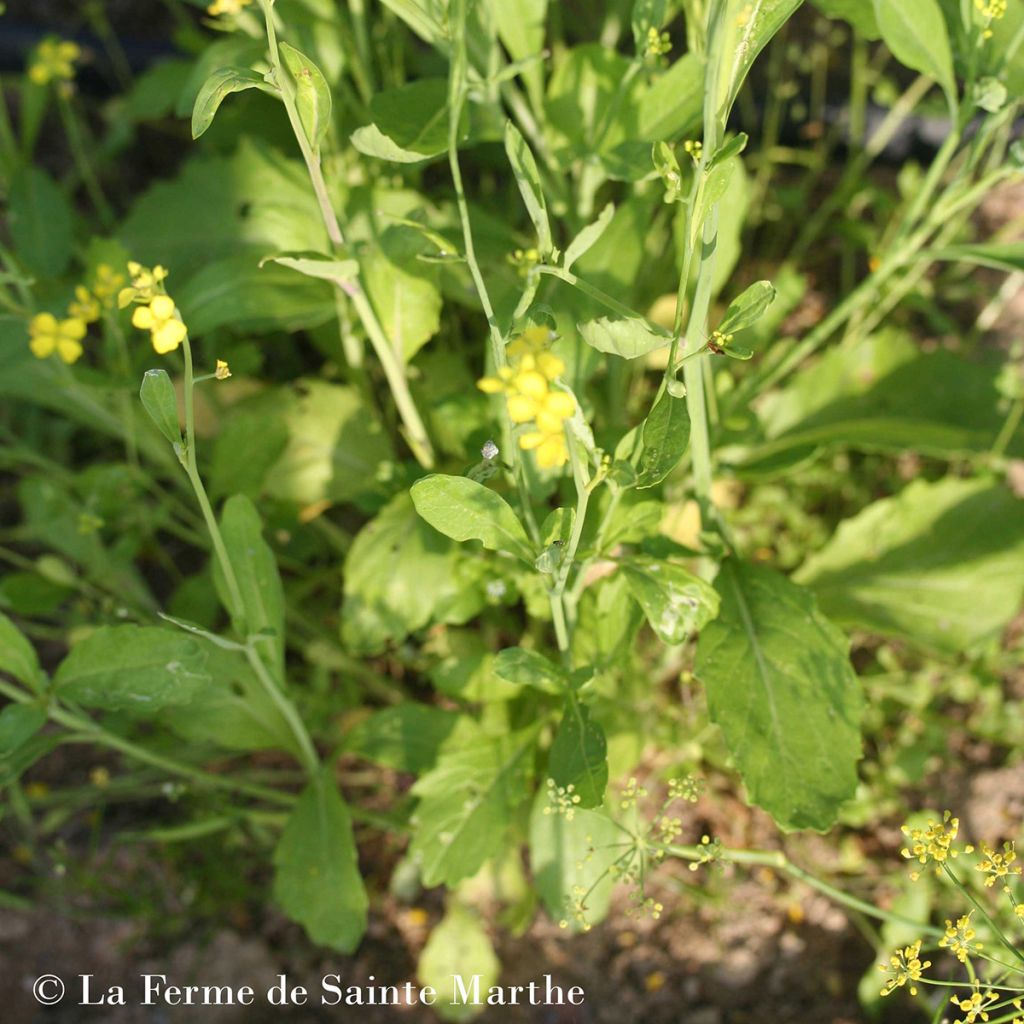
(905, 965)
(975, 1005)
(48, 335)
(219, 7)
(958, 938)
(998, 865)
(992, 9)
(54, 61)
(156, 311)
(935, 843)
(657, 43)
(526, 384)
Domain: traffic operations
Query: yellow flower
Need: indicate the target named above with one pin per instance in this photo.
(223, 371)
(161, 319)
(107, 283)
(998, 865)
(227, 7)
(550, 448)
(975, 1005)
(145, 284)
(54, 61)
(935, 843)
(47, 335)
(958, 938)
(904, 965)
(84, 306)
(992, 9)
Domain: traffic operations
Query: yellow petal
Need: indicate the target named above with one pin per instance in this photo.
(534, 439)
(552, 453)
(561, 404)
(490, 385)
(42, 323)
(124, 297)
(521, 409)
(168, 336)
(143, 318)
(42, 345)
(162, 307)
(531, 383)
(550, 365)
(69, 350)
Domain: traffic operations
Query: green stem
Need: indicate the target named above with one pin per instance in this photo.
(1002, 442)
(951, 874)
(74, 135)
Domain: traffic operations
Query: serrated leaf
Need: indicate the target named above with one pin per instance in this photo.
(579, 755)
(312, 94)
(462, 509)
(781, 688)
(161, 403)
(666, 436)
(216, 89)
(138, 669)
(468, 800)
(675, 601)
(316, 879)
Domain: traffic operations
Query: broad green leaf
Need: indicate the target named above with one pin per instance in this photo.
(410, 123)
(400, 575)
(670, 108)
(666, 436)
(39, 221)
(312, 94)
(524, 167)
(406, 737)
(579, 755)
(139, 669)
(748, 307)
(1007, 256)
(572, 853)
(915, 32)
(312, 264)
(420, 16)
(675, 602)
(587, 237)
(468, 800)
(255, 568)
(216, 89)
(316, 869)
(859, 13)
(781, 688)
(459, 948)
(629, 337)
(941, 564)
(262, 438)
(160, 401)
(521, 25)
(18, 724)
(17, 656)
(462, 509)
(528, 668)
(407, 301)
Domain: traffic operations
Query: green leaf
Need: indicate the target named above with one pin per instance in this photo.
(312, 94)
(568, 854)
(468, 801)
(18, 724)
(410, 123)
(524, 167)
(262, 611)
(312, 264)
(997, 255)
(462, 509)
(859, 14)
(216, 89)
(316, 879)
(748, 307)
(161, 402)
(588, 237)
(666, 436)
(406, 737)
(780, 687)
(528, 668)
(579, 755)
(670, 108)
(139, 669)
(401, 575)
(39, 220)
(675, 602)
(915, 32)
(458, 947)
(629, 337)
(17, 656)
(941, 564)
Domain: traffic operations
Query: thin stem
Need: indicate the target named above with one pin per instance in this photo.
(1010, 426)
(78, 153)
